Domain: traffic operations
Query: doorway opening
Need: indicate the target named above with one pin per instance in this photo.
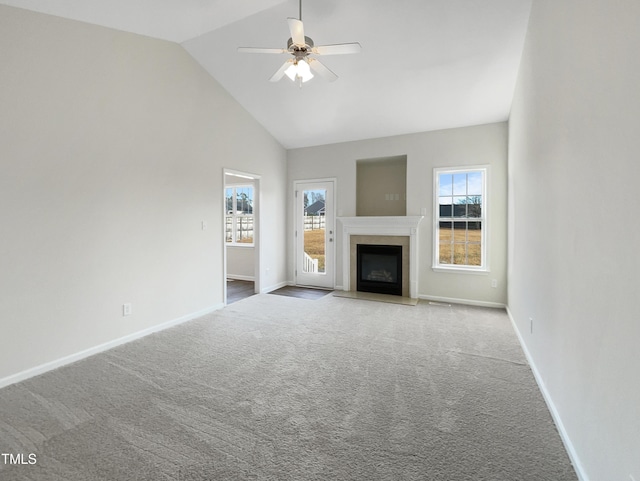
(241, 230)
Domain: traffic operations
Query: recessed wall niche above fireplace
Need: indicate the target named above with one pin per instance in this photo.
(379, 269)
(381, 186)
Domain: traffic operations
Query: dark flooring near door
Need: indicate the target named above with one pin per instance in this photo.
(238, 290)
(301, 292)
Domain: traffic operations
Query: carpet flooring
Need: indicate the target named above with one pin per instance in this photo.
(281, 388)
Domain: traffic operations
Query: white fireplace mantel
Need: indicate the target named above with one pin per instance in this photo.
(381, 226)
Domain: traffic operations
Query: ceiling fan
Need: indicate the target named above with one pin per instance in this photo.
(299, 67)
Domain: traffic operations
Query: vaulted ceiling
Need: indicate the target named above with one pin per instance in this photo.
(425, 64)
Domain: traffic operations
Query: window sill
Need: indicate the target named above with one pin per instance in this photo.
(231, 244)
(461, 270)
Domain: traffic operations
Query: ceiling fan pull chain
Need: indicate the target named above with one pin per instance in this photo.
(300, 3)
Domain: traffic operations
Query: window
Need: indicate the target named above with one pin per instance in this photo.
(460, 219)
(239, 218)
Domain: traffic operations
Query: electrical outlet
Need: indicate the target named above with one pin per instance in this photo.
(204, 225)
(126, 309)
(494, 283)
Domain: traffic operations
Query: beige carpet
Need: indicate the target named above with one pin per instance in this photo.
(371, 296)
(280, 388)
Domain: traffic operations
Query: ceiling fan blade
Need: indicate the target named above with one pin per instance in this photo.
(297, 31)
(280, 73)
(321, 69)
(337, 49)
(261, 50)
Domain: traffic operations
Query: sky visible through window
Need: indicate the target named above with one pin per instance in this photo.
(311, 196)
(244, 199)
(452, 184)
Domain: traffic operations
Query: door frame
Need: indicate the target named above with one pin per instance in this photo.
(297, 182)
(257, 223)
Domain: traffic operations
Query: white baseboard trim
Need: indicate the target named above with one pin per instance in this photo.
(49, 366)
(239, 277)
(266, 290)
(566, 440)
(468, 302)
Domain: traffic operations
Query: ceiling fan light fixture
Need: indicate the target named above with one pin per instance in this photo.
(299, 70)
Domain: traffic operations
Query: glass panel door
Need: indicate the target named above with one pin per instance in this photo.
(315, 234)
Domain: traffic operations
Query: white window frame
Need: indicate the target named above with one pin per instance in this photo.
(235, 215)
(484, 219)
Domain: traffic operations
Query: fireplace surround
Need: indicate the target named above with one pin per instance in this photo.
(381, 230)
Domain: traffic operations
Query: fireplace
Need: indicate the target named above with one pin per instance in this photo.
(388, 230)
(379, 268)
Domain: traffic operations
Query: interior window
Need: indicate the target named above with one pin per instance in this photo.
(239, 217)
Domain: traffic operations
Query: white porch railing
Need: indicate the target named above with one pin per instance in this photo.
(309, 264)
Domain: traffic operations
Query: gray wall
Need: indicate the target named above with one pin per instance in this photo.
(112, 148)
(574, 266)
(241, 263)
(484, 144)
